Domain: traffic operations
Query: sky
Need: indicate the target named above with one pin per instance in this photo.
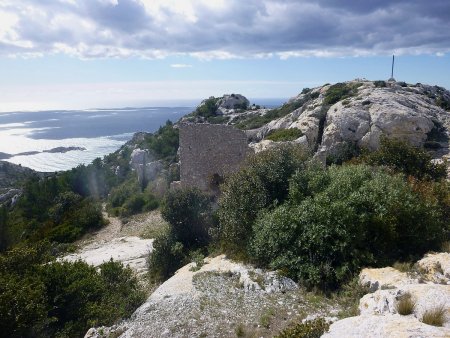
(74, 54)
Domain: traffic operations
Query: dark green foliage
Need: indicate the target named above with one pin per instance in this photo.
(3, 228)
(345, 152)
(257, 121)
(127, 199)
(261, 183)
(402, 84)
(187, 211)
(340, 91)
(280, 135)
(207, 108)
(379, 84)
(49, 209)
(305, 90)
(218, 119)
(243, 196)
(406, 159)
(43, 300)
(343, 219)
(309, 329)
(164, 143)
(167, 256)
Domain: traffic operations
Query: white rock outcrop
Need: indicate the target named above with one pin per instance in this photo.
(409, 113)
(378, 309)
(145, 165)
(209, 299)
(229, 103)
(130, 250)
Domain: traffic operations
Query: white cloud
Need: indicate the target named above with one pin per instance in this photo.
(223, 29)
(180, 65)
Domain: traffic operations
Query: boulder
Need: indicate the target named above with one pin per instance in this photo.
(228, 103)
(392, 326)
(388, 277)
(143, 162)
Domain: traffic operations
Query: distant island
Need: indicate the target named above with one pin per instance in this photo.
(5, 156)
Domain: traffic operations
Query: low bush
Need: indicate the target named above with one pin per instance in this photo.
(167, 256)
(340, 91)
(43, 298)
(352, 217)
(407, 159)
(188, 212)
(309, 329)
(261, 183)
(379, 83)
(281, 135)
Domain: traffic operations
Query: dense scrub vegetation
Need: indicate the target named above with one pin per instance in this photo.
(401, 157)
(279, 135)
(257, 121)
(322, 225)
(188, 212)
(340, 91)
(40, 297)
(43, 298)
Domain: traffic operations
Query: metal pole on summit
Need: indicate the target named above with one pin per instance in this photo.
(392, 70)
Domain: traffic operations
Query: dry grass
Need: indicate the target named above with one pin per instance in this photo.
(405, 305)
(446, 246)
(435, 317)
(403, 266)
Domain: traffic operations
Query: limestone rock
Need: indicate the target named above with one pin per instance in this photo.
(145, 166)
(378, 309)
(392, 326)
(212, 299)
(426, 297)
(228, 103)
(132, 251)
(409, 113)
(388, 277)
(436, 267)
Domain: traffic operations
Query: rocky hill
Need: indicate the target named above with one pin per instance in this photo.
(332, 120)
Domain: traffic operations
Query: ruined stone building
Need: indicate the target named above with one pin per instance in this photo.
(208, 152)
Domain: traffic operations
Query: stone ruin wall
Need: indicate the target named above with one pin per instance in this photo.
(209, 149)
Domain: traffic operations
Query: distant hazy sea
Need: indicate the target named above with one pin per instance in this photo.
(99, 131)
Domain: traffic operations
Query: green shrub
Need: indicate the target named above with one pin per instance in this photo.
(284, 135)
(218, 119)
(379, 84)
(187, 211)
(340, 91)
(361, 217)
(261, 183)
(207, 108)
(257, 121)
(167, 256)
(44, 298)
(309, 329)
(164, 143)
(405, 158)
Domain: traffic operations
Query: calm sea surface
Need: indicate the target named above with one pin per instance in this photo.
(99, 131)
(28, 136)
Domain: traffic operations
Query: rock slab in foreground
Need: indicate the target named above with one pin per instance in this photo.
(429, 287)
(132, 251)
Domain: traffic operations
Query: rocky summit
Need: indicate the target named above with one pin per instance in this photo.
(356, 113)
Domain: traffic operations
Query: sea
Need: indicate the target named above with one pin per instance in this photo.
(56, 140)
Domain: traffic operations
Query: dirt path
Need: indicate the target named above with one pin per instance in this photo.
(129, 243)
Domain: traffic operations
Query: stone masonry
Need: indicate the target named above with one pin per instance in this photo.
(208, 152)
